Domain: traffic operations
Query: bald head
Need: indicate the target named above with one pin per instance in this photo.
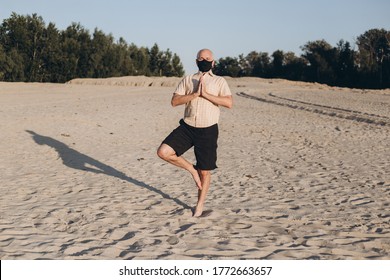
(205, 54)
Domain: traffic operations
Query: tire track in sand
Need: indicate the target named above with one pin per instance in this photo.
(346, 114)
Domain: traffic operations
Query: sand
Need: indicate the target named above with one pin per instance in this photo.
(304, 173)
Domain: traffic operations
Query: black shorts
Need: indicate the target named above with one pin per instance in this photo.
(204, 141)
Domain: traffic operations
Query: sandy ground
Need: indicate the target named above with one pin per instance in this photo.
(304, 173)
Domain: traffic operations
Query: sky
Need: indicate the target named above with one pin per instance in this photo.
(227, 27)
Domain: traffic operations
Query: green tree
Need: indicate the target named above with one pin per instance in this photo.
(10, 70)
(228, 66)
(321, 57)
(346, 72)
(245, 68)
(177, 66)
(21, 37)
(294, 67)
(3, 61)
(154, 61)
(99, 47)
(73, 43)
(374, 56)
(165, 65)
(30, 51)
(35, 27)
(278, 64)
(12, 66)
(259, 63)
(51, 55)
(125, 67)
(139, 60)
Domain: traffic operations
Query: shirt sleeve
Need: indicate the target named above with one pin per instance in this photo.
(225, 90)
(181, 87)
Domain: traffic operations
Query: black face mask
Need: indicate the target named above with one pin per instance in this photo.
(204, 65)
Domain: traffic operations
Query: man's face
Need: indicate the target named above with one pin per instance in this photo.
(205, 55)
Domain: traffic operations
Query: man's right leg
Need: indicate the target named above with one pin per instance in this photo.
(166, 153)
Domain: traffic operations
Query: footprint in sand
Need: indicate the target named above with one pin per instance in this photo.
(184, 228)
(240, 226)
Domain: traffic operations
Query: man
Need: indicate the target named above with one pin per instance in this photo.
(202, 93)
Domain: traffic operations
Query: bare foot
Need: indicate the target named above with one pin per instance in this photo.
(196, 177)
(204, 214)
(198, 211)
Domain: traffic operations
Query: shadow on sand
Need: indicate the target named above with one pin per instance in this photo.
(77, 160)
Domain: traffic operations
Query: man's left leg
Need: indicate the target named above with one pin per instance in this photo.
(205, 177)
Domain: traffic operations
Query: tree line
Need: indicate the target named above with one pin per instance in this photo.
(366, 67)
(31, 51)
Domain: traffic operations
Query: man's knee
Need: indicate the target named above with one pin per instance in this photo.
(161, 152)
(165, 152)
(204, 173)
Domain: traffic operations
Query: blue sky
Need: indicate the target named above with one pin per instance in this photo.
(227, 27)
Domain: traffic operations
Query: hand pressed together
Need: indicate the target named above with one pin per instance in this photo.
(225, 101)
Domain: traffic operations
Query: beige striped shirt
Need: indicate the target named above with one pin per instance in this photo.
(200, 112)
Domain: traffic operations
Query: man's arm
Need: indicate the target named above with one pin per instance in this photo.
(225, 101)
(178, 99)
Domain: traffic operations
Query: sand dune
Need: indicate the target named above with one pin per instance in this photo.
(304, 173)
(132, 81)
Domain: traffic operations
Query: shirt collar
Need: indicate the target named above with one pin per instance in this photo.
(209, 73)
